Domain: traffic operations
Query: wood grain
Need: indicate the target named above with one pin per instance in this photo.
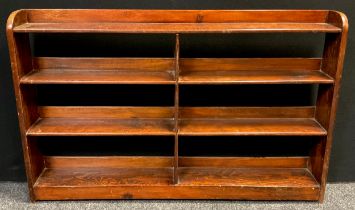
(246, 112)
(327, 102)
(117, 112)
(136, 183)
(165, 162)
(177, 109)
(176, 177)
(61, 76)
(21, 64)
(97, 63)
(176, 28)
(100, 127)
(174, 16)
(181, 192)
(255, 77)
(251, 127)
(247, 177)
(234, 64)
(64, 70)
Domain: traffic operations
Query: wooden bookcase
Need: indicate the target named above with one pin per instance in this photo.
(176, 176)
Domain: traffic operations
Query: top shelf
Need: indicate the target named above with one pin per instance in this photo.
(175, 27)
(176, 21)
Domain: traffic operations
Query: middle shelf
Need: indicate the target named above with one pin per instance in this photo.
(61, 70)
(115, 121)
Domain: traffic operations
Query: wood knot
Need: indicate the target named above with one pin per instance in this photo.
(127, 196)
(199, 18)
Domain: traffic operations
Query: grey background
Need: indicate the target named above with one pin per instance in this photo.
(342, 162)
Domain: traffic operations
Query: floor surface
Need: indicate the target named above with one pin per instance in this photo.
(13, 196)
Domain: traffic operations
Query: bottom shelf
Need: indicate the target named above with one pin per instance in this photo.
(194, 183)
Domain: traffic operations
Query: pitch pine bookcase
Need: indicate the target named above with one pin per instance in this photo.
(52, 177)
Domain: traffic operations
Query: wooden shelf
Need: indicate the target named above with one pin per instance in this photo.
(96, 177)
(247, 177)
(299, 177)
(106, 126)
(260, 121)
(60, 70)
(141, 177)
(252, 71)
(175, 27)
(100, 127)
(255, 77)
(128, 183)
(62, 76)
(251, 126)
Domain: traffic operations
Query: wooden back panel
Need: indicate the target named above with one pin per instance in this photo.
(176, 16)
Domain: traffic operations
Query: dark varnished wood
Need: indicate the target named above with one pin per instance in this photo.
(160, 71)
(100, 127)
(235, 64)
(176, 111)
(56, 70)
(20, 55)
(94, 177)
(251, 127)
(117, 112)
(125, 64)
(255, 77)
(333, 60)
(246, 112)
(97, 77)
(165, 162)
(99, 120)
(159, 121)
(249, 121)
(252, 71)
(180, 192)
(247, 177)
(173, 21)
(175, 28)
(246, 183)
(173, 16)
(120, 174)
(176, 177)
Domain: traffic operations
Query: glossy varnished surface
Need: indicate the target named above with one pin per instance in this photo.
(172, 21)
(176, 177)
(96, 177)
(247, 177)
(164, 162)
(255, 77)
(100, 127)
(251, 126)
(175, 28)
(66, 70)
(252, 71)
(97, 77)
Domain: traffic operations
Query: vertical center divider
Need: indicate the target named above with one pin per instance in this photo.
(176, 114)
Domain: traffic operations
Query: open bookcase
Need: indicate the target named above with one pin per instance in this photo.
(175, 175)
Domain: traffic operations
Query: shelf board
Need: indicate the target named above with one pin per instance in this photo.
(59, 76)
(167, 161)
(255, 77)
(110, 27)
(96, 177)
(194, 183)
(251, 126)
(100, 70)
(248, 177)
(66, 76)
(100, 127)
